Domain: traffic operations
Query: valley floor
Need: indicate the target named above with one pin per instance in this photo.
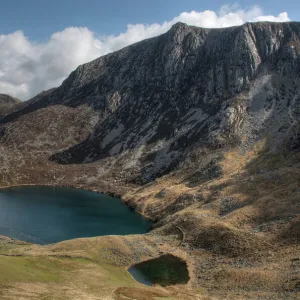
(238, 232)
(96, 268)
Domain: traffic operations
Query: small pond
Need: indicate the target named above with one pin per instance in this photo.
(45, 215)
(164, 270)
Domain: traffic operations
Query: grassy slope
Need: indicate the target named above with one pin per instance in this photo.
(247, 250)
(241, 230)
(7, 103)
(80, 269)
(243, 227)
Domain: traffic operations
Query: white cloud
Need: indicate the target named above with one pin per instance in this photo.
(27, 68)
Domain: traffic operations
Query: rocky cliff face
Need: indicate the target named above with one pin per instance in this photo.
(191, 87)
(188, 88)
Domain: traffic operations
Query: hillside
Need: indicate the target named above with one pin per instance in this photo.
(197, 129)
(6, 103)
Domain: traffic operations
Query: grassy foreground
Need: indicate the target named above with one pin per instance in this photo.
(94, 268)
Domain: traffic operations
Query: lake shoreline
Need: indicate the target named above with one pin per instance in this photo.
(98, 191)
(66, 200)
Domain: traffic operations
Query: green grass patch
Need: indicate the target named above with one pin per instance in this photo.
(29, 269)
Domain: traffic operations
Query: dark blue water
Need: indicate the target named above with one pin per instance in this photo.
(140, 277)
(46, 215)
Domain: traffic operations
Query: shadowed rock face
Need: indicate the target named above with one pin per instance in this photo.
(190, 87)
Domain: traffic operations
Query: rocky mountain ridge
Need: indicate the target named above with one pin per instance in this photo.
(154, 106)
(189, 87)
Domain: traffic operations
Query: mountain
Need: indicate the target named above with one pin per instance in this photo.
(7, 102)
(209, 87)
(197, 129)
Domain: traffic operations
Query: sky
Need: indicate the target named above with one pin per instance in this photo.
(42, 41)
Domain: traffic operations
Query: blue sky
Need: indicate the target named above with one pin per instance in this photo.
(40, 18)
(42, 41)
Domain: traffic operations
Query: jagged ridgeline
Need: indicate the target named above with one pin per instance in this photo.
(190, 87)
(6, 103)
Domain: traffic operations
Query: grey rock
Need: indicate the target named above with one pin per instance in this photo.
(190, 87)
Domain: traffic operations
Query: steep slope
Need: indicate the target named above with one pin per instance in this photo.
(6, 103)
(191, 85)
(209, 119)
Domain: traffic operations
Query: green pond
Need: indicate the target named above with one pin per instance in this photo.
(164, 270)
(45, 215)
